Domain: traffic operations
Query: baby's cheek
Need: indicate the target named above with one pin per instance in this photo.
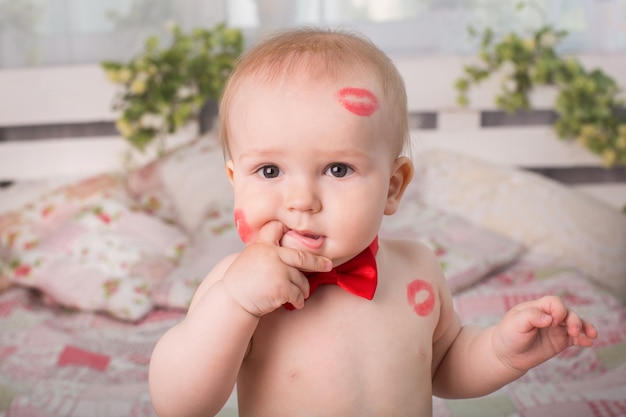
(243, 228)
(421, 297)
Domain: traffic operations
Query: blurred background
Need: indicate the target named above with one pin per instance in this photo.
(53, 87)
(60, 32)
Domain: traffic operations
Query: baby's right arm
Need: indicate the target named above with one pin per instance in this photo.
(195, 365)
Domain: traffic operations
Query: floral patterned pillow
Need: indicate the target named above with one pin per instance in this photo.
(85, 246)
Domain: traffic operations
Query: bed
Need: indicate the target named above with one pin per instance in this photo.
(94, 268)
(98, 260)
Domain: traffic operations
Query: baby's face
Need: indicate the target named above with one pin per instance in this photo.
(312, 156)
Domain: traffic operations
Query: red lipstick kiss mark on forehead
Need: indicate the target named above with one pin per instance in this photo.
(359, 101)
(421, 297)
(242, 226)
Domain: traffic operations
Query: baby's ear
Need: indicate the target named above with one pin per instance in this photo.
(230, 170)
(401, 175)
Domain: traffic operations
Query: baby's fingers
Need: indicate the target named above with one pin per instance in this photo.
(530, 319)
(589, 330)
(585, 335)
(545, 312)
(305, 261)
(272, 232)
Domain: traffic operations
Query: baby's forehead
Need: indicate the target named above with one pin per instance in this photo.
(363, 85)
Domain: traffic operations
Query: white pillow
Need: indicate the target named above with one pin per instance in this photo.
(195, 179)
(541, 213)
(186, 185)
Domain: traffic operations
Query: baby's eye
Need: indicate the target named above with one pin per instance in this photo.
(269, 171)
(338, 170)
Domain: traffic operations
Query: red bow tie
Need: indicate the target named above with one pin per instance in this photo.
(358, 275)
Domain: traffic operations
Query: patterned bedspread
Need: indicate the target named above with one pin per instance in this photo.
(96, 271)
(58, 362)
(579, 382)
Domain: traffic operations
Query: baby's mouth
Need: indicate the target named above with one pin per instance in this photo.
(307, 239)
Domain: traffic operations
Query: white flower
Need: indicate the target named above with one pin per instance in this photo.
(529, 44)
(152, 121)
(548, 40)
(186, 92)
(139, 84)
(125, 128)
(120, 76)
(507, 68)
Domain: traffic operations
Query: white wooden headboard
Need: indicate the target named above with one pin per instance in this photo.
(51, 96)
(81, 94)
(430, 88)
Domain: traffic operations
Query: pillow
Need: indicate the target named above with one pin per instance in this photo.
(185, 185)
(213, 240)
(543, 214)
(466, 252)
(23, 194)
(17, 195)
(85, 247)
(146, 187)
(204, 252)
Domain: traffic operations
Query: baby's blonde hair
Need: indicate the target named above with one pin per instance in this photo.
(323, 54)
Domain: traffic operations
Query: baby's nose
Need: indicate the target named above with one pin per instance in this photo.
(303, 196)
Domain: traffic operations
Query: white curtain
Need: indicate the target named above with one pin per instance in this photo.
(59, 32)
(439, 27)
(56, 32)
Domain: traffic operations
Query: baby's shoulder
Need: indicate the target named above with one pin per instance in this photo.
(411, 271)
(410, 257)
(411, 251)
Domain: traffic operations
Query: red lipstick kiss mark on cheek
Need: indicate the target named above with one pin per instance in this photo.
(359, 101)
(243, 228)
(421, 297)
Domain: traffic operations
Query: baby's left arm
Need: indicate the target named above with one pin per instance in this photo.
(479, 361)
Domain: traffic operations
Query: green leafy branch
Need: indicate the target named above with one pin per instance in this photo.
(588, 103)
(163, 88)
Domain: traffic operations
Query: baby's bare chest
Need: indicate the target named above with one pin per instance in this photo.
(350, 352)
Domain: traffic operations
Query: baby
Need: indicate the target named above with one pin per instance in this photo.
(314, 128)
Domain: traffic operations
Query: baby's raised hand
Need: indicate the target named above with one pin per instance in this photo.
(265, 275)
(535, 331)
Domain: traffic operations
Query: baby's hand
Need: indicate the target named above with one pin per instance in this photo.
(535, 331)
(265, 275)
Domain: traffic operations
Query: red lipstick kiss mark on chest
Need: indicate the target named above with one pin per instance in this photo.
(242, 226)
(421, 297)
(359, 101)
